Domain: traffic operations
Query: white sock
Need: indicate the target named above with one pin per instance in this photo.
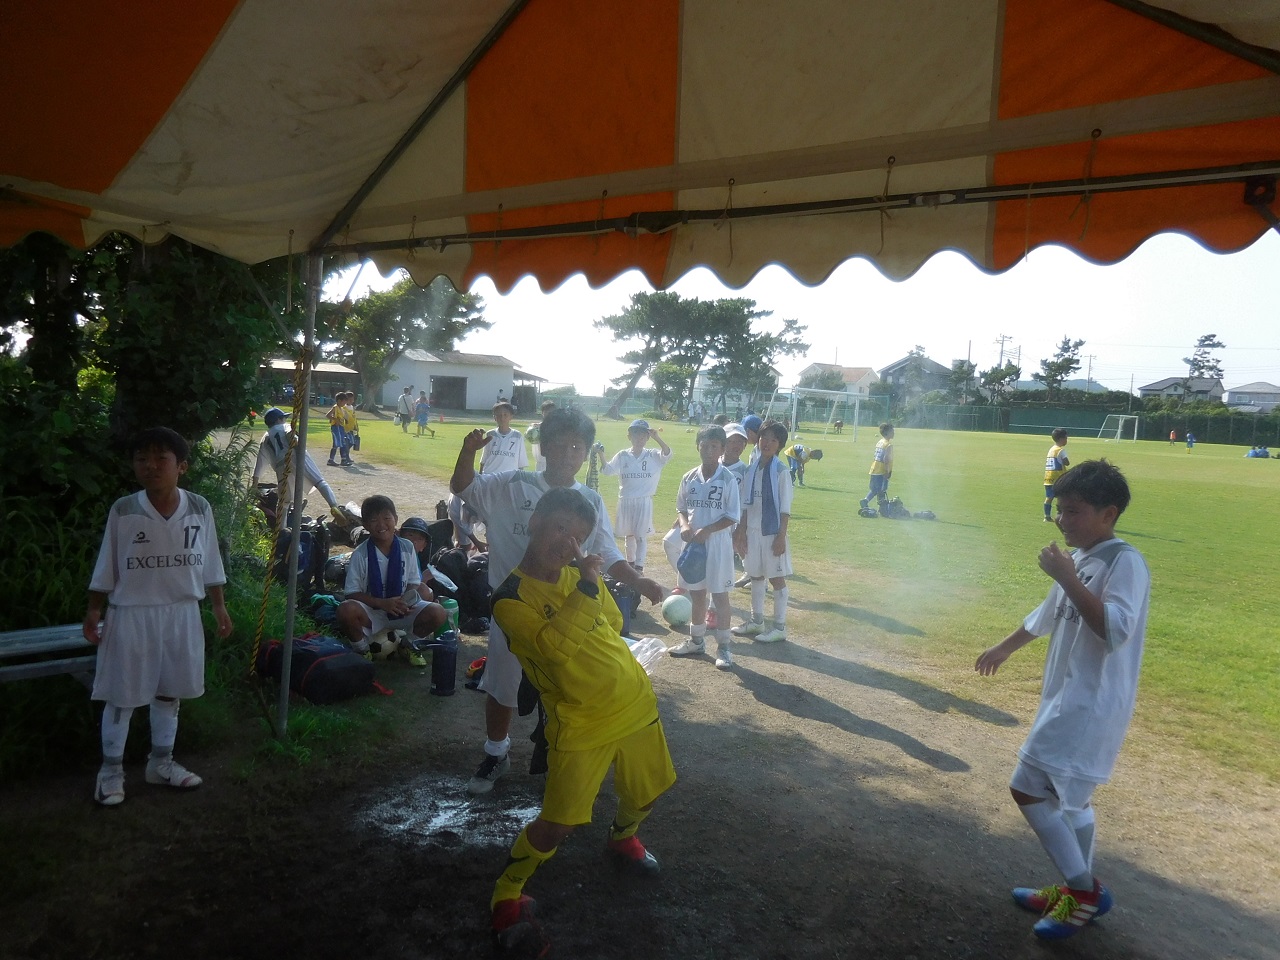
(115, 731)
(642, 550)
(757, 600)
(724, 638)
(1059, 841)
(780, 608)
(164, 727)
(697, 631)
(1083, 823)
(497, 748)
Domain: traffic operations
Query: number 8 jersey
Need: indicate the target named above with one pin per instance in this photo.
(146, 559)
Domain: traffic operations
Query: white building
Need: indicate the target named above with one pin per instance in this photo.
(857, 380)
(454, 380)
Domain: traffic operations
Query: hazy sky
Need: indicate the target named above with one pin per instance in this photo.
(1138, 318)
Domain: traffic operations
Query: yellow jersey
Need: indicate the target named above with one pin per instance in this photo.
(1055, 464)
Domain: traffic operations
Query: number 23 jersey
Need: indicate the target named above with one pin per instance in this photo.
(146, 559)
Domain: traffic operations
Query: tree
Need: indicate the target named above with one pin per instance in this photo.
(657, 321)
(745, 357)
(1066, 361)
(669, 383)
(960, 384)
(998, 380)
(826, 378)
(1201, 365)
(915, 370)
(372, 333)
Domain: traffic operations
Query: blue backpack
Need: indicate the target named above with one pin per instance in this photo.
(322, 669)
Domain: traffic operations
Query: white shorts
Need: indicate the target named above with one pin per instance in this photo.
(1071, 792)
(760, 561)
(635, 517)
(148, 652)
(502, 671)
(720, 572)
(379, 621)
(672, 545)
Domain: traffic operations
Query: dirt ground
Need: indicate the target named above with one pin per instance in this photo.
(834, 800)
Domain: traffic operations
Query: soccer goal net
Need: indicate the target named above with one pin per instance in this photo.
(1119, 426)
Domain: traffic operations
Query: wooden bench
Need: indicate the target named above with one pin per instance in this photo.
(47, 652)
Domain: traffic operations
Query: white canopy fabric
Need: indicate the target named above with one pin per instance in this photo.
(551, 137)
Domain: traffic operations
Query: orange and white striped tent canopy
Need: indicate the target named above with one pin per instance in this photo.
(551, 137)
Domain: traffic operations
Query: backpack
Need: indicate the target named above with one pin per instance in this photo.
(894, 509)
(313, 553)
(322, 669)
(471, 576)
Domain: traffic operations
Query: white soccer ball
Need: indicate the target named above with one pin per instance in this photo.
(677, 610)
(383, 646)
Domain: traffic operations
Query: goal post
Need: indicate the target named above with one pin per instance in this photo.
(1119, 426)
(822, 409)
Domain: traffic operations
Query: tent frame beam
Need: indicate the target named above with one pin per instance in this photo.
(1205, 33)
(662, 221)
(406, 140)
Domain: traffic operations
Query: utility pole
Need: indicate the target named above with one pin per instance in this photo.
(1002, 339)
(1088, 381)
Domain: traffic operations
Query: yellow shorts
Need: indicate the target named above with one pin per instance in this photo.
(643, 772)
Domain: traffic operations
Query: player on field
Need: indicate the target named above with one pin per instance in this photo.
(1055, 465)
(273, 454)
(159, 558)
(563, 627)
(505, 502)
(638, 468)
(709, 508)
(1096, 618)
(761, 538)
(505, 450)
(881, 467)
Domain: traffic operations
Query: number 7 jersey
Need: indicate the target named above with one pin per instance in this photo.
(147, 560)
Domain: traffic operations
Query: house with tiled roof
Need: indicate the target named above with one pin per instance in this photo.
(857, 380)
(1259, 396)
(1200, 388)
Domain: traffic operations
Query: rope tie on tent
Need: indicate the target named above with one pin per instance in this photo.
(884, 198)
(409, 245)
(288, 286)
(724, 216)
(599, 216)
(1026, 226)
(1087, 197)
(497, 230)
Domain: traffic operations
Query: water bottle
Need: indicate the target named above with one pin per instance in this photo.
(444, 663)
(648, 651)
(451, 620)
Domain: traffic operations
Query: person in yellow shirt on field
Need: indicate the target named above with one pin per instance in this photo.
(1055, 465)
(881, 468)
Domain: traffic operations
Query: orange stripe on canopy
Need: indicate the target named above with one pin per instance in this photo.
(1062, 54)
(1113, 225)
(74, 113)
(564, 94)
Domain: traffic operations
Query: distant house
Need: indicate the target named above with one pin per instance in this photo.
(857, 380)
(1262, 397)
(327, 379)
(1201, 388)
(933, 375)
(460, 381)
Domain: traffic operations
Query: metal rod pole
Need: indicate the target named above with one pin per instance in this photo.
(300, 482)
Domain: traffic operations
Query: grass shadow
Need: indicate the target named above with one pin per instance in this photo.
(858, 614)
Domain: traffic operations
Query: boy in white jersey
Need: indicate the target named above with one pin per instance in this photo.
(384, 588)
(709, 508)
(159, 557)
(1096, 616)
(505, 501)
(638, 470)
(761, 538)
(505, 450)
(273, 453)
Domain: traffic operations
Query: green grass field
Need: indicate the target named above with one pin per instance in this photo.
(936, 593)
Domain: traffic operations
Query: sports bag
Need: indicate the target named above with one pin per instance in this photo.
(894, 509)
(322, 669)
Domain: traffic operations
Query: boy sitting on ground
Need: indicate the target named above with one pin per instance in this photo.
(564, 628)
(1096, 616)
(384, 589)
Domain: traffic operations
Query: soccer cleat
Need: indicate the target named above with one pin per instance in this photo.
(170, 773)
(516, 933)
(689, 648)
(1073, 910)
(630, 856)
(772, 636)
(863, 504)
(724, 656)
(487, 774)
(109, 790)
(749, 628)
(331, 462)
(1039, 901)
(415, 658)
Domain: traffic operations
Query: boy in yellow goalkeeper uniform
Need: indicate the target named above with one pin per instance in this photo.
(564, 628)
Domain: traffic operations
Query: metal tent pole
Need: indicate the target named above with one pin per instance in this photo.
(300, 481)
